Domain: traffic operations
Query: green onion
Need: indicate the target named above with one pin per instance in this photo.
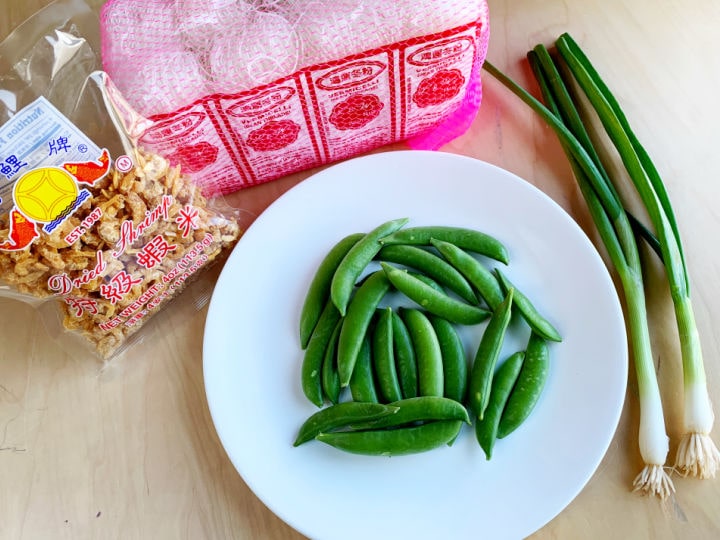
(697, 454)
(617, 235)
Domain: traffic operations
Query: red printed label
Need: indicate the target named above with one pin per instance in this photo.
(271, 132)
(439, 88)
(356, 111)
(194, 142)
(273, 135)
(351, 75)
(442, 50)
(195, 157)
(119, 285)
(437, 76)
(354, 105)
(322, 113)
(262, 103)
(175, 128)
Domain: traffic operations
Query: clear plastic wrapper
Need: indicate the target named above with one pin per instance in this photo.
(97, 231)
(247, 91)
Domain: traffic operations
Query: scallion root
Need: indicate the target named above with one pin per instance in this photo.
(653, 480)
(697, 456)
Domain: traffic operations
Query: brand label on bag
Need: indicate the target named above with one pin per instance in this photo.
(39, 136)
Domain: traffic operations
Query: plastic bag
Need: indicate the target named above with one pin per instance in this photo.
(99, 228)
(247, 91)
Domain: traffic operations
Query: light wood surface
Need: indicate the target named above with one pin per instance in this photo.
(131, 452)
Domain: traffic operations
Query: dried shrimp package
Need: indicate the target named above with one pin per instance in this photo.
(91, 223)
(246, 91)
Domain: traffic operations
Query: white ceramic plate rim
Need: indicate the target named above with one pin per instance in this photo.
(252, 358)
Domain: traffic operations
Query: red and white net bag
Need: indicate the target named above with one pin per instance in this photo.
(246, 91)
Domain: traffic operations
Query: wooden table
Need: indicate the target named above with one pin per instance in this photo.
(131, 452)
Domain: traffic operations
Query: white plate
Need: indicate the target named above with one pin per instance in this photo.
(252, 358)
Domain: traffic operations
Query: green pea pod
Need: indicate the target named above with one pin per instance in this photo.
(468, 239)
(384, 358)
(433, 301)
(359, 314)
(418, 409)
(394, 442)
(455, 369)
(319, 289)
(406, 364)
(529, 386)
(427, 352)
(310, 373)
(362, 382)
(539, 324)
(431, 265)
(422, 277)
(341, 415)
(428, 281)
(480, 277)
(329, 378)
(486, 430)
(356, 260)
(486, 357)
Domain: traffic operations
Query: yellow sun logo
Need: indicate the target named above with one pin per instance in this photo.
(44, 194)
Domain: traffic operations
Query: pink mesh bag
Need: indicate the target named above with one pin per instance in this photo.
(240, 92)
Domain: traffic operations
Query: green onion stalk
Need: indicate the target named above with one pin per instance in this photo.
(697, 454)
(616, 232)
(653, 439)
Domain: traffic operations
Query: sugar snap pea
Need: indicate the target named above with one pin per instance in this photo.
(394, 442)
(486, 430)
(418, 409)
(455, 369)
(429, 264)
(473, 270)
(405, 361)
(422, 277)
(384, 358)
(528, 387)
(406, 369)
(329, 378)
(319, 289)
(428, 281)
(433, 301)
(362, 383)
(310, 375)
(532, 316)
(486, 357)
(427, 352)
(341, 415)
(356, 260)
(355, 324)
(469, 239)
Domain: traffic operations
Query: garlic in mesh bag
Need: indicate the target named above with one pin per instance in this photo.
(246, 91)
(96, 231)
